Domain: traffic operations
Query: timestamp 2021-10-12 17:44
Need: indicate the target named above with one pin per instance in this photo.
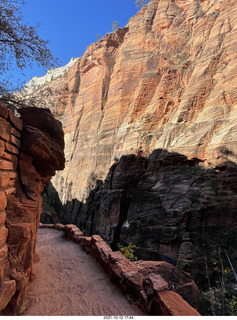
(118, 317)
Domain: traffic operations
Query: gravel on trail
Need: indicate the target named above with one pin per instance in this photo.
(70, 282)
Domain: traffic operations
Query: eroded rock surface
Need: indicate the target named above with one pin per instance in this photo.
(167, 80)
(32, 151)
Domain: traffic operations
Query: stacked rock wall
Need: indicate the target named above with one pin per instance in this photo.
(29, 155)
(157, 287)
(10, 135)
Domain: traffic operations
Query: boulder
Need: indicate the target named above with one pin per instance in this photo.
(154, 283)
(101, 251)
(163, 274)
(123, 269)
(171, 304)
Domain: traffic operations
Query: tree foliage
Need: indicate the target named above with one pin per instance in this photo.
(98, 37)
(20, 44)
(115, 25)
(141, 3)
(128, 251)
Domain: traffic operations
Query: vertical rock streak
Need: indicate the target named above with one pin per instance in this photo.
(161, 82)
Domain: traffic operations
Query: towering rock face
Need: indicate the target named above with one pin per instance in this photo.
(166, 82)
(31, 151)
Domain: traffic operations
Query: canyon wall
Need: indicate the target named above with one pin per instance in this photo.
(31, 149)
(149, 116)
(165, 81)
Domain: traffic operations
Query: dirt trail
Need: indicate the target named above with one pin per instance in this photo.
(70, 282)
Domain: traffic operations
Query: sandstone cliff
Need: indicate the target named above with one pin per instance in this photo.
(167, 80)
(162, 90)
(31, 149)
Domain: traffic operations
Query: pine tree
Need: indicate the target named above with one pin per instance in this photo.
(141, 3)
(98, 36)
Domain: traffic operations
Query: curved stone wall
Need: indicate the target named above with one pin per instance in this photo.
(157, 287)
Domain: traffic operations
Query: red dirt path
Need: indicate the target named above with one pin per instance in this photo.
(70, 282)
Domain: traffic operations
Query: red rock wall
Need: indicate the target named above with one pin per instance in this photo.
(31, 149)
(165, 81)
(10, 135)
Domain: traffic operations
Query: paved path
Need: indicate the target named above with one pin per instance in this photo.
(70, 282)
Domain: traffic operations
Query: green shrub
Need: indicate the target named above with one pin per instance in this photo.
(221, 296)
(128, 251)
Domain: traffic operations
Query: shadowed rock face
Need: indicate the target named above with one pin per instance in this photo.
(33, 153)
(171, 207)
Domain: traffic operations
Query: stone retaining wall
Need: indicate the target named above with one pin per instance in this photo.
(157, 287)
(10, 136)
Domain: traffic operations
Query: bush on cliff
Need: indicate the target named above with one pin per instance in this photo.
(128, 251)
(220, 296)
(141, 3)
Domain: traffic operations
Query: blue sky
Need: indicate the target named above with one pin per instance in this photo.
(72, 25)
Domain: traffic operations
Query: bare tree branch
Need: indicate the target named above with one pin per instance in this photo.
(20, 45)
